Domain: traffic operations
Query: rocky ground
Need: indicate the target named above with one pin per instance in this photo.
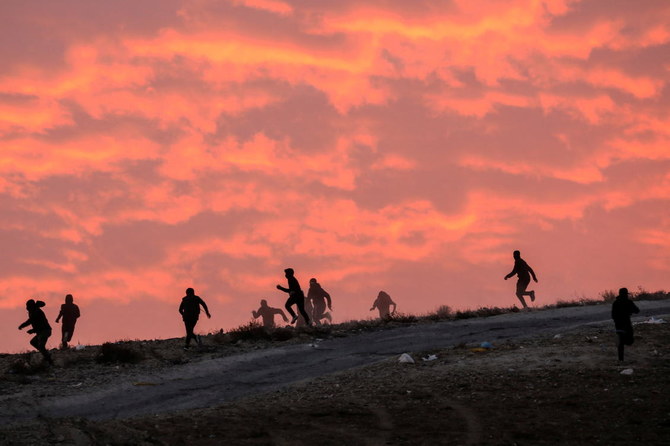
(567, 389)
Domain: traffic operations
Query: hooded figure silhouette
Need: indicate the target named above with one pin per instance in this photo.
(40, 327)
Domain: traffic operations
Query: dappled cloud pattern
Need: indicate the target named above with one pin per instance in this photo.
(406, 146)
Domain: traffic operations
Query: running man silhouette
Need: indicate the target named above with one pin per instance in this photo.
(268, 314)
(622, 308)
(70, 313)
(523, 272)
(40, 327)
(295, 296)
(190, 313)
(383, 304)
(318, 296)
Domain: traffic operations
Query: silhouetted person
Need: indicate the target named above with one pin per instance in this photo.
(190, 313)
(295, 296)
(523, 272)
(70, 313)
(383, 304)
(318, 297)
(268, 314)
(622, 308)
(40, 327)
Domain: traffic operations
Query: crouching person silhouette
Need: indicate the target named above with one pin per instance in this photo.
(70, 313)
(268, 314)
(622, 308)
(190, 313)
(40, 327)
(383, 304)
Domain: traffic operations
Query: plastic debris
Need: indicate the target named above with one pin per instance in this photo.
(486, 345)
(405, 359)
(653, 320)
(627, 372)
(429, 358)
(79, 347)
(558, 336)
(479, 349)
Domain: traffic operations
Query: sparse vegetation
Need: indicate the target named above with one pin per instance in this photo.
(484, 312)
(23, 365)
(123, 353)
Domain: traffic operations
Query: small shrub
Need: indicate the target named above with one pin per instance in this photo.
(609, 295)
(402, 318)
(253, 331)
(642, 294)
(442, 312)
(24, 366)
(282, 334)
(111, 352)
(218, 337)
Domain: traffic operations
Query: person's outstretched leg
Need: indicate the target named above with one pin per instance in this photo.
(620, 346)
(288, 305)
(300, 303)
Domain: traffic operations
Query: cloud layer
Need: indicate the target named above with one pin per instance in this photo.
(404, 146)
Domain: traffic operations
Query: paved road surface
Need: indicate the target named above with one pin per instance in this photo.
(216, 381)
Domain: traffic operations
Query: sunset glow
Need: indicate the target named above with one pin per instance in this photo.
(383, 145)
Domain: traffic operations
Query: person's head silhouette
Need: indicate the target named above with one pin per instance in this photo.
(288, 272)
(623, 293)
(30, 304)
(517, 255)
(264, 303)
(68, 299)
(190, 292)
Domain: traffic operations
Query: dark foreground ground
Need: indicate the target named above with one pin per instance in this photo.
(535, 391)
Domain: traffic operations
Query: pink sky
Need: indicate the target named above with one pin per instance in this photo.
(146, 147)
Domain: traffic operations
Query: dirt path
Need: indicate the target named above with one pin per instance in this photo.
(212, 382)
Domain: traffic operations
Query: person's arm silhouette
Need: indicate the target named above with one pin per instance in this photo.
(328, 300)
(59, 315)
(532, 273)
(204, 305)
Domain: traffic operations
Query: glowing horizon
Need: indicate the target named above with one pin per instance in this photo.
(407, 147)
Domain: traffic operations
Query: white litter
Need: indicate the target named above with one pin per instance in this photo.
(405, 359)
(558, 336)
(627, 372)
(653, 320)
(80, 347)
(429, 358)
